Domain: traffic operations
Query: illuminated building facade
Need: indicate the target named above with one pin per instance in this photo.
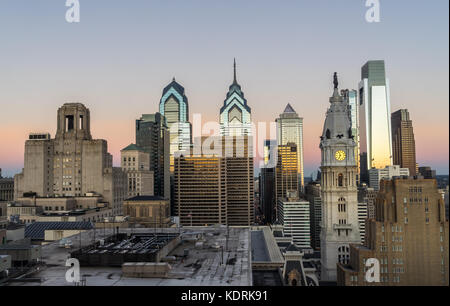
(375, 121)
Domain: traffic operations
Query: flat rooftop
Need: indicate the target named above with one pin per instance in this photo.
(205, 266)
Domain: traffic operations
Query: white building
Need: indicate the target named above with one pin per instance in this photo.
(362, 216)
(136, 164)
(293, 214)
(376, 175)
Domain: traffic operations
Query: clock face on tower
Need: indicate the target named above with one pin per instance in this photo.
(340, 155)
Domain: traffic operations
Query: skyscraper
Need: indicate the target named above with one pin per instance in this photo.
(267, 181)
(290, 130)
(408, 237)
(375, 124)
(293, 214)
(152, 136)
(403, 144)
(175, 108)
(135, 162)
(72, 164)
(215, 187)
(340, 224)
(286, 172)
(235, 114)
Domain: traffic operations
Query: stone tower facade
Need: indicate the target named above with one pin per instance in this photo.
(72, 164)
(339, 170)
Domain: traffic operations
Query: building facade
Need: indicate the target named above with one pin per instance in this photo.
(376, 175)
(408, 237)
(293, 214)
(6, 188)
(235, 114)
(313, 195)
(403, 143)
(72, 164)
(286, 173)
(135, 162)
(374, 118)
(147, 211)
(340, 224)
(152, 135)
(175, 108)
(216, 187)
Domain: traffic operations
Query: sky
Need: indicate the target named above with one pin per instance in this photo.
(121, 55)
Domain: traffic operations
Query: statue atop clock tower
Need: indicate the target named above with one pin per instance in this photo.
(340, 226)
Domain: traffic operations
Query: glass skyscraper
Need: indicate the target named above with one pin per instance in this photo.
(290, 130)
(374, 115)
(174, 107)
(235, 114)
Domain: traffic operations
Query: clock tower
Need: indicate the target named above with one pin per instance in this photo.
(340, 226)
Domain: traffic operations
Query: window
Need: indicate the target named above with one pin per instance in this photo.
(340, 180)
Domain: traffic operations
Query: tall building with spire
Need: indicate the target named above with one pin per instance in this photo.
(290, 130)
(374, 123)
(340, 225)
(235, 114)
(175, 108)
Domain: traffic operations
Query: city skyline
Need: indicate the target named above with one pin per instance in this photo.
(61, 71)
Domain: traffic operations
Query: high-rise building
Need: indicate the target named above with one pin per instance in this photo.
(152, 136)
(267, 194)
(72, 164)
(367, 195)
(175, 108)
(136, 164)
(376, 175)
(340, 224)
(312, 192)
(403, 144)
(235, 114)
(286, 173)
(362, 216)
(216, 187)
(6, 188)
(267, 182)
(293, 214)
(408, 237)
(290, 130)
(374, 118)
(352, 96)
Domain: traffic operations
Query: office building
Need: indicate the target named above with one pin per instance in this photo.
(290, 130)
(362, 216)
(286, 173)
(374, 118)
(313, 195)
(72, 164)
(293, 214)
(368, 196)
(409, 237)
(6, 188)
(152, 135)
(267, 194)
(235, 114)
(376, 175)
(216, 187)
(340, 224)
(403, 143)
(175, 108)
(135, 163)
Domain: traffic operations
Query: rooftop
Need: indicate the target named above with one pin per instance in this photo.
(146, 198)
(36, 230)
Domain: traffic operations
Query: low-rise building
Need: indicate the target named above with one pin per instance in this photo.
(148, 211)
(376, 175)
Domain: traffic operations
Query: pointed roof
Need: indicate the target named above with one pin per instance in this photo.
(289, 109)
(292, 248)
(132, 147)
(174, 84)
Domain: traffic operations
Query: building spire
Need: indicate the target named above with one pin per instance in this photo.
(234, 66)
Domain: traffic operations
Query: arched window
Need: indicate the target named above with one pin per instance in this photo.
(340, 180)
